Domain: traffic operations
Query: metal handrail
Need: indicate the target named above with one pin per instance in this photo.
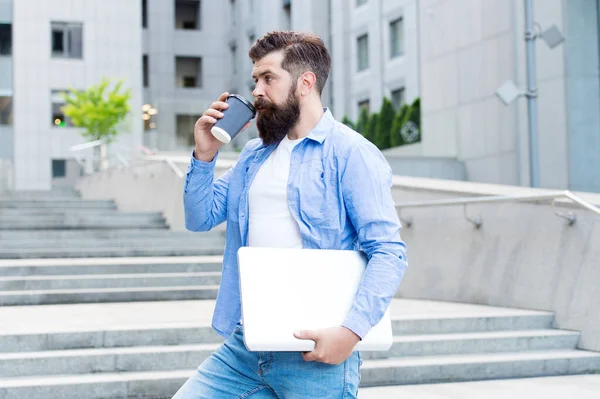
(478, 221)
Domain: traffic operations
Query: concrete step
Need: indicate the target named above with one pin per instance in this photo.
(106, 252)
(411, 370)
(80, 267)
(86, 224)
(94, 295)
(440, 338)
(477, 342)
(12, 213)
(55, 203)
(169, 357)
(40, 194)
(436, 369)
(175, 242)
(42, 283)
(83, 218)
(21, 235)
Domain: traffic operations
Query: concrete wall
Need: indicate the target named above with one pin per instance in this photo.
(523, 256)
(146, 186)
(111, 48)
(462, 65)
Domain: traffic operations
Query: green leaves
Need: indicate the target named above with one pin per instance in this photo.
(389, 128)
(98, 110)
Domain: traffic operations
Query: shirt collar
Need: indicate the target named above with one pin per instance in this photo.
(323, 127)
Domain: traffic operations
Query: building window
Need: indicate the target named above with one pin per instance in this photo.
(59, 168)
(145, 69)
(287, 12)
(188, 71)
(58, 117)
(362, 46)
(398, 99)
(187, 14)
(185, 129)
(233, 12)
(396, 38)
(6, 115)
(360, 2)
(67, 40)
(5, 39)
(144, 13)
(234, 59)
(366, 104)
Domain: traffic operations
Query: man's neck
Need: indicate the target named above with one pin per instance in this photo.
(309, 118)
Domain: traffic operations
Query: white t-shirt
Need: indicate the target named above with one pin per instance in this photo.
(270, 222)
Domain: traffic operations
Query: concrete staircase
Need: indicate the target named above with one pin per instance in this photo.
(61, 225)
(149, 360)
(63, 281)
(152, 328)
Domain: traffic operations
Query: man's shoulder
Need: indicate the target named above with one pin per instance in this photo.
(344, 140)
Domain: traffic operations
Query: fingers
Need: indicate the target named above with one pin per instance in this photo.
(307, 334)
(207, 119)
(311, 356)
(223, 96)
(214, 113)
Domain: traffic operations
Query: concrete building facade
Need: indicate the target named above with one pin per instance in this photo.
(468, 49)
(48, 47)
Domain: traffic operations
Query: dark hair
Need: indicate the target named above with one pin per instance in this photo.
(301, 52)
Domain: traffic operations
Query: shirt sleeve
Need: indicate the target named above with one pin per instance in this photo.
(366, 186)
(204, 200)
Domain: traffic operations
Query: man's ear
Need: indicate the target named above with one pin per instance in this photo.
(306, 82)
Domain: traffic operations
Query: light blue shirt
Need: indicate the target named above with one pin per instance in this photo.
(339, 193)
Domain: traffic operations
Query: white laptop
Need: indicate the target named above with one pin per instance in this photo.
(287, 290)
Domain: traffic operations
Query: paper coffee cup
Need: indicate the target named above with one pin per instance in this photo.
(235, 117)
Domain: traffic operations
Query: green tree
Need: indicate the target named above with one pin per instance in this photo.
(371, 128)
(346, 121)
(363, 119)
(384, 125)
(97, 110)
(395, 137)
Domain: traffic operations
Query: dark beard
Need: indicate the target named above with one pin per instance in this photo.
(275, 121)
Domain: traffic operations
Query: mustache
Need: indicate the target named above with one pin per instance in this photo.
(261, 103)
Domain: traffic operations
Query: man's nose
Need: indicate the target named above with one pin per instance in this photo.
(258, 91)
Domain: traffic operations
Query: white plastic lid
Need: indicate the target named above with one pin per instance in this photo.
(220, 134)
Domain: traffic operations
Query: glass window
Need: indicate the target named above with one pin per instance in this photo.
(398, 98)
(145, 69)
(187, 14)
(360, 2)
(366, 104)
(185, 129)
(6, 115)
(396, 38)
(188, 71)
(5, 39)
(58, 117)
(59, 168)
(144, 13)
(67, 40)
(362, 45)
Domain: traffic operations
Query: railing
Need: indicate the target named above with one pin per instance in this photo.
(478, 221)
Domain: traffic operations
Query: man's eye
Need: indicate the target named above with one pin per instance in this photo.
(269, 78)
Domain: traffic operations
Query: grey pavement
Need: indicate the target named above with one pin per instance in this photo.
(579, 387)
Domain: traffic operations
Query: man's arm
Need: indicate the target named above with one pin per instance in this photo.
(204, 200)
(366, 186)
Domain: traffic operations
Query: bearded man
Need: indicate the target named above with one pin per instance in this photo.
(308, 181)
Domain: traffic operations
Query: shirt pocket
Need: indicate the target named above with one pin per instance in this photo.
(318, 194)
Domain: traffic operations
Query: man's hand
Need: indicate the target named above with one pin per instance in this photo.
(332, 345)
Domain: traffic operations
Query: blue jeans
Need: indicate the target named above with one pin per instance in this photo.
(232, 372)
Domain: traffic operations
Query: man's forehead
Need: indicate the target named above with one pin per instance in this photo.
(270, 62)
